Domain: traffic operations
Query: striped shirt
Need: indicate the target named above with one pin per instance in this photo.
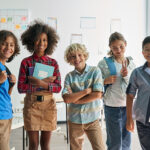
(90, 78)
(29, 62)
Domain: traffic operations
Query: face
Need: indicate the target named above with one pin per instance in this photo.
(118, 48)
(41, 44)
(146, 52)
(78, 60)
(7, 48)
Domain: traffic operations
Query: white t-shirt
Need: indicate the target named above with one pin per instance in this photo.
(114, 96)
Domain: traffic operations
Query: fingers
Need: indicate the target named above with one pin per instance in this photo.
(12, 78)
(113, 79)
(130, 126)
(124, 64)
(69, 90)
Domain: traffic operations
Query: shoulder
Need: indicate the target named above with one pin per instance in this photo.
(102, 62)
(136, 71)
(70, 74)
(52, 60)
(94, 70)
(27, 59)
(131, 63)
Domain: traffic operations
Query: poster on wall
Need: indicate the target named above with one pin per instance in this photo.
(88, 22)
(76, 38)
(115, 25)
(15, 20)
(52, 21)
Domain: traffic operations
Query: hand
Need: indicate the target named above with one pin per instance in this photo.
(130, 125)
(34, 81)
(49, 79)
(12, 78)
(88, 90)
(124, 71)
(69, 90)
(110, 79)
(3, 76)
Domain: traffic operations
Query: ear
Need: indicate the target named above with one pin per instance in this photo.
(125, 43)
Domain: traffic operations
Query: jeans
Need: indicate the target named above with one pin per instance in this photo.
(144, 135)
(118, 138)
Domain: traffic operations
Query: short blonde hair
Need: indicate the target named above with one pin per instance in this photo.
(73, 48)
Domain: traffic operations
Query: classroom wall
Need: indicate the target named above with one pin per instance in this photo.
(68, 13)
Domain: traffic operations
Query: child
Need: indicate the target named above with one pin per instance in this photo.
(39, 105)
(9, 48)
(115, 71)
(140, 84)
(82, 91)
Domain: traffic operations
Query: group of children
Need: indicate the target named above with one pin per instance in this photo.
(84, 87)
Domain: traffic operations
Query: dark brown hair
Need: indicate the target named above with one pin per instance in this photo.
(30, 36)
(145, 41)
(3, 36)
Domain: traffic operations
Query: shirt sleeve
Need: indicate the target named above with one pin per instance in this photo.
(97, 80)
(66, 85)
(55, 86)
(23, 85)
(132, 86)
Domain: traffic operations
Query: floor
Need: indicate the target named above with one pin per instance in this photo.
(59, 142)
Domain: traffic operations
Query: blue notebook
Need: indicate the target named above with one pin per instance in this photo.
(42, 71)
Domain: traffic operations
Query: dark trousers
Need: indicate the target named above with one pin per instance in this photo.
(144, 135)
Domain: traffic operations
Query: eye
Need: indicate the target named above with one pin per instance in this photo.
(114, 48)
(4, 43)
(12, 45)
(122, 47)
(72, 57)
(44, 40)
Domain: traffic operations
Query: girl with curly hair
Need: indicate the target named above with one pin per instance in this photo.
(9, 48)
(39, 105)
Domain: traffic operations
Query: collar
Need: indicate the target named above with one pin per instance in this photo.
(37, 58)
(85, 70)
(145, 66)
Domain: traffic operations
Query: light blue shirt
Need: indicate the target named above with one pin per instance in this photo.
(139, 84)
(5, 100)
(90, 78)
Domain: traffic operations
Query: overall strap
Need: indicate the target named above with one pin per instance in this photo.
(111, 65)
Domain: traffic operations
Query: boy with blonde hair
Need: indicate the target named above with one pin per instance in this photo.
(82, 91)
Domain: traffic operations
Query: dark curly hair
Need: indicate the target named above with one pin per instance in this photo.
(3, 36)
(30, 36)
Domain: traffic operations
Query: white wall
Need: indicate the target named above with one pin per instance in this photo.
(68, 13)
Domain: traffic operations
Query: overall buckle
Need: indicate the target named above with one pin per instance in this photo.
(40, 98)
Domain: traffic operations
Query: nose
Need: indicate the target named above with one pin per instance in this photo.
(77, 58)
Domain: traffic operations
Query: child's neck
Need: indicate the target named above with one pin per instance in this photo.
(148, 64)
(40, 54)
(81, 70)
(120, 59)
